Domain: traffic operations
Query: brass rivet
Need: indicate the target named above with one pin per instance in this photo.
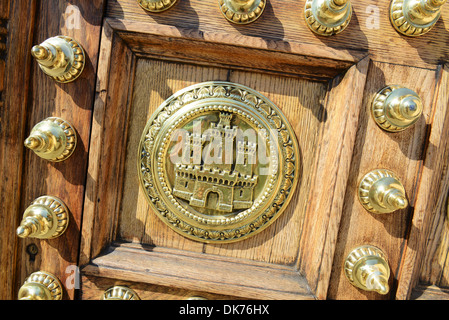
(60, 57)
(415, 17)
(46, 218)
(395, 108)
(327, 17)
(366, 267)
(156, 6)
(41, 285)
(242, 11)
(380, 191)
(52, 139)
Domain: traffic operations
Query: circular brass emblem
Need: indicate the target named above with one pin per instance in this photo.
(218, 162)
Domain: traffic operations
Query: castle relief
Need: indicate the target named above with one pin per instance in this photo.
(218, 162)
(227, 182)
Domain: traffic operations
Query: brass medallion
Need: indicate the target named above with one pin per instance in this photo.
(218, 162)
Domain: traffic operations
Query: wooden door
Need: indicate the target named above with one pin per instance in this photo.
(324, 86)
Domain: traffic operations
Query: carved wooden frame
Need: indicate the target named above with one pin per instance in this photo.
(124, 41)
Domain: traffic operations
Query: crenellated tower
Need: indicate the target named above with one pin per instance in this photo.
(230, 178)
(246, 157)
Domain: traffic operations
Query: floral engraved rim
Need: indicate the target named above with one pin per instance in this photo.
(183, 208)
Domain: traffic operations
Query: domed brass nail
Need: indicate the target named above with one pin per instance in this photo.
(396, 108)
(327, 17)
(156, 6)
(242, 11)
(366, 267)
(53, 139)
(119, 293)
(41, 285)
(415, 17)
(60, 57)
(380, 191)
(46, 218)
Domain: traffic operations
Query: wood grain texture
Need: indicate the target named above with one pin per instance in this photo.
(104, 179)
(299, 100)
(72, 102)
(425, 258)
(333, 158)
(282, 26)
(403, 153)
(199, 272)
(17, 20)
(94, 287)
(242, 52)
(429, 293)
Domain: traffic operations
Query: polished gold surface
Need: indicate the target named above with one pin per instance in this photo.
(415, 17)
(396, 108)
(366, 267)
(52, 139)
(218, 162)
(41, 285)
(46, 218)
(60, 57)
(380, 191)
(156, 6)
(327, 17)
(242, 11)
(119, 293)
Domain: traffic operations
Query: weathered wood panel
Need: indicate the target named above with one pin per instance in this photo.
(279, 56)
(302, 103)
(16, 28)
(425, 257)
(326, 199)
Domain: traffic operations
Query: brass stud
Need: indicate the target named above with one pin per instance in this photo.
(328, 17)
(60, 57)
(366, 267)
(415, 17)
(380, 191)
(119, 293)
(41, 286)
(46, 218)
(196, 298)
(53, 139)
(156, 6)
(242, 11)
(396, 108)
